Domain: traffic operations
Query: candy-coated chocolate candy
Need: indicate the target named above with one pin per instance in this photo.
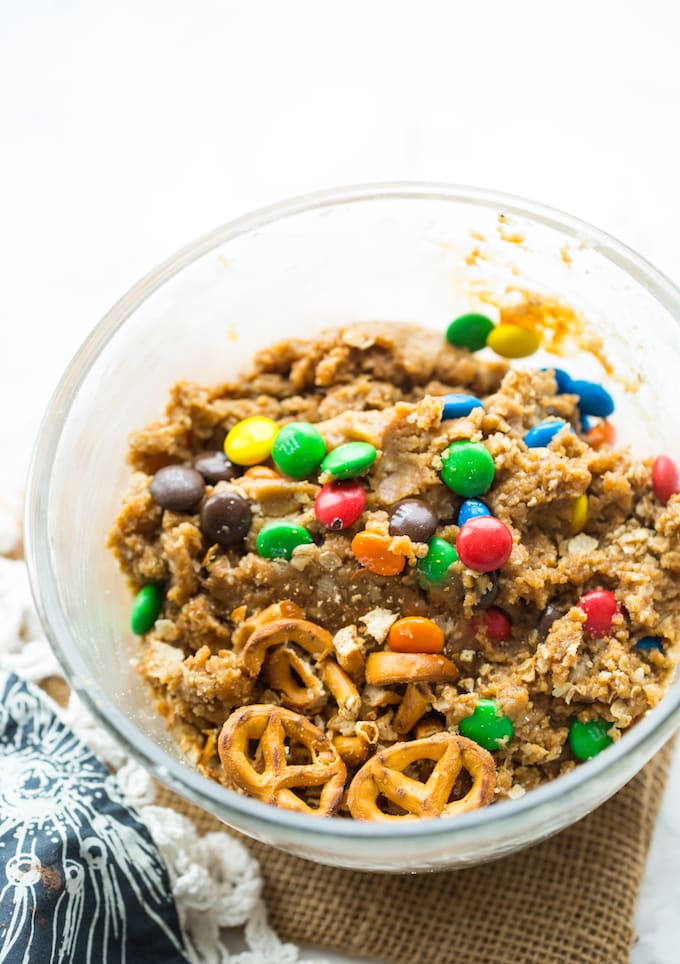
(600, 435)
(497, 625)
(542, 434)
(467, 468)
(513, 341)
(562, 380)
(414, 518)
(472, 509)
(250, 441)
(665, 478)
(469, 331)
(433, 569)
(488, 598)
(225, 518)
(585, 424)
(588, 739)
(600, 607)
(298, 449)
(488, 726)
(277, 540)
(648, 643)
(459, 405)
(579, 514)
(215, 467)
(548, 617)
(177, 487)
(262, 472)
(145, 609)
(338, 505)
(593, 399)
(373, 552)
(349, 460)
(414, 634)
(484, 544)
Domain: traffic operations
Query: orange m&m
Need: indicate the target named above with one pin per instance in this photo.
(373, 552)
(415, 634)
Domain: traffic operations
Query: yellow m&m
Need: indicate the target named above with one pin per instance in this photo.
(579, 514)
(513, 341)
(250, 441)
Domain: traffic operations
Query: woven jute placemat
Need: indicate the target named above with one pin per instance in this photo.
(569, 899)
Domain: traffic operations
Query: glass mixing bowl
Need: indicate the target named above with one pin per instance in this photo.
(402, 252)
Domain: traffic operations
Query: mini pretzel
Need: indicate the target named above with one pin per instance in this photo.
(385, 668)
(317, 641)
(285, 609)
(280, 670)
(354, 750)
(384, 775)
(413, 706)
(273, 783)
(342, 689)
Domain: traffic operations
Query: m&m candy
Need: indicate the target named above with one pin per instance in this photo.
(433, 569)
(600, 435)
(225, 518)
(472, 509)
(261, 473)
(542, 434)
(562, 380)
(338, 505)
(215, 467)
(488, 726)
(467, 468)
(414, 518)
(494, 622)
(415, 634)
(484, 544)
(579, 514)
(278, 540)
(588, 739)
(250, 441)
(600, 607)
(513, 341)
(593, 399)
(469, 331)
(177, 487)
(349, 460)
(459, 405)
(648, 643)
(145, 609)
(665, 478)
(373, 552)
(298, 449)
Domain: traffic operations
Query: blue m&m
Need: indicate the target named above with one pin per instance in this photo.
(458, 405)
(648, 643)
(472, 509)
(562, 379)
(541, 435)
(593, 399)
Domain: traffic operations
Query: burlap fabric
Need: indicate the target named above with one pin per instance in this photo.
(569, 899)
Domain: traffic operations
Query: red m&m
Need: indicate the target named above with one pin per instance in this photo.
(338, 505)
(665, 478)
(484, 544)
(600, 607)
(494, 622)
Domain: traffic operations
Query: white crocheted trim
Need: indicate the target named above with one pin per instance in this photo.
(215, 881)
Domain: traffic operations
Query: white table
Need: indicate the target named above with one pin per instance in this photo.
(130, 128)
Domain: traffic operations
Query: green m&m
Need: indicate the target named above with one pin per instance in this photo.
(277, 540)
(467, 468)
(433, 569)
(588, 739)
(349, 460)
(298, 449)
(469, 331)
(488, 726)
(145, 609)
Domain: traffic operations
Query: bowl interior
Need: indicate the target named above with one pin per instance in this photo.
(418, 255)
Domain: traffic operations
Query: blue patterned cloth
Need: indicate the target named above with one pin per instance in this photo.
(80, 877)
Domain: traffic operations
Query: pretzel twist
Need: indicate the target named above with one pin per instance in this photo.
(383, 775)
(281, 667)
(285, 609)
(310, 637)
(385, 668)
(269, 776)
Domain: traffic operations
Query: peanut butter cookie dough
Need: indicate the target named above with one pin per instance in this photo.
(402, 541)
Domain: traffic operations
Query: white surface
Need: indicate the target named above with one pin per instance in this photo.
(130, 128)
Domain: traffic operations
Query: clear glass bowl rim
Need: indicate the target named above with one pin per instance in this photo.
(656, 727)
